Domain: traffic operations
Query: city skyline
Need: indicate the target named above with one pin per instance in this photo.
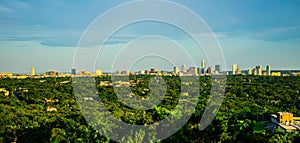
(199, 69)
(44, 34)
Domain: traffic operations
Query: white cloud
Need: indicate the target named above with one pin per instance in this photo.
(5, 9)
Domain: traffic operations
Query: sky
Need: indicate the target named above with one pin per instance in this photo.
(45, 34)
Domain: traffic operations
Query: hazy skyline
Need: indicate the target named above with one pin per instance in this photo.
(44, 34)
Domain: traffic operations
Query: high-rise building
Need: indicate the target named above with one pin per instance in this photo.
(73, 71)
(203, 65)
(254, 71)
(209, 70)
(250, 72)
(218, 68)
(183, 68)
(193, 71)
(32, 72)
(176, 70)
(202, 69)
(238, 71)
(234, 69)
(268, 70)
(259, 70)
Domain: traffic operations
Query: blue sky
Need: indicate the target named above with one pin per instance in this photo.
(45, 33)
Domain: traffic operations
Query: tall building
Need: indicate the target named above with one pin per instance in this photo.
(193, 71)
(32, 72)
(234, 69)
(268, 70)
(238, 71)
(183, 68)
(202, 68)
(250, 72)
(254, 71)
(209, 70)
(176, 70)
(203, 65)
(259, 70)
(73, 71)
(218, 68)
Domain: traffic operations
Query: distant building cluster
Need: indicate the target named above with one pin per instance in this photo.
(202, 70)
(183, 71)
(286, 121)
(258, 70)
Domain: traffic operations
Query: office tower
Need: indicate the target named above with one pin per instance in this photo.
(193, 71)
(259, 70)
(32, 72)
(203, 65)
(238, 71)
(218, 68)
(73, 71)
(234, 69)
(254, 71)
(98, 72)
(209, 70)
(268, 70)
(176, 70)
(201, 71)
(250, 72)
(202, 68)
(183, 68)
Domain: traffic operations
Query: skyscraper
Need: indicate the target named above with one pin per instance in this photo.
(183, 68)
(209, 70)
(193, 71)
(250, 72)
(254, 71)
(238, 71)
(234, 69)
(176, 70)
(32, 72)
(73, 71)
(268, 70)
(218, 68)
(203, 65)
(259, 70)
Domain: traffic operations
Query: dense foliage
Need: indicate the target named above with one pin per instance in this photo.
(248, 100)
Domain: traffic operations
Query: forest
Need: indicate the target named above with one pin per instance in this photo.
(46, 109)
